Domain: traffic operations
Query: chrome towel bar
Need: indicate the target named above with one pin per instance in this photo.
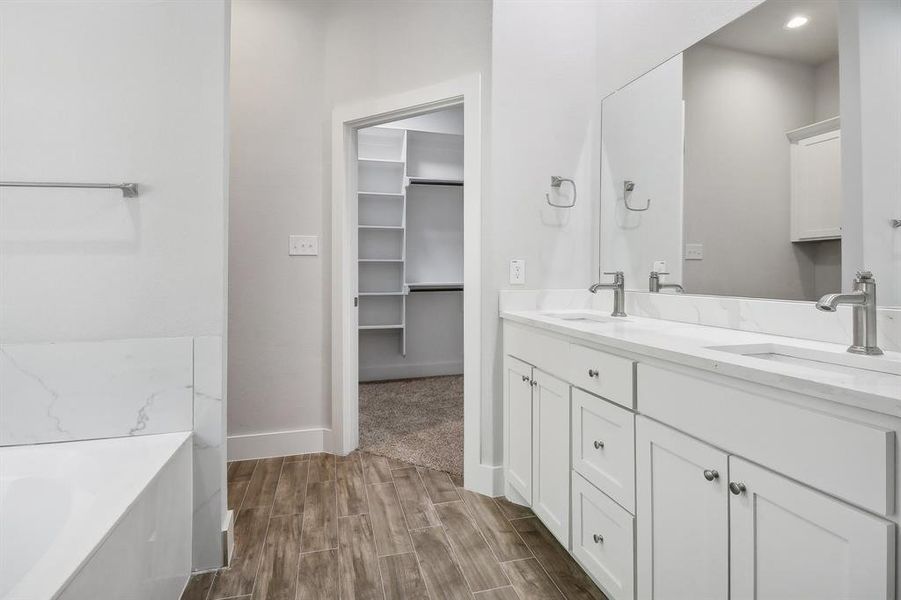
(129, 190)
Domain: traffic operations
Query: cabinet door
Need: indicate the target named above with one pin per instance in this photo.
(550, 462)
(817, 187)
(682, 504)
(518, 426)
(788, 541)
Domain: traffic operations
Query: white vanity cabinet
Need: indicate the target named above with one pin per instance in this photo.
(550, 453)
(682, 490)
(537, 443)
(689, 484)
(518, 427)
(788, 541)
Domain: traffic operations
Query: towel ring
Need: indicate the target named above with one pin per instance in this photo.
(557, 182)
(628, 186)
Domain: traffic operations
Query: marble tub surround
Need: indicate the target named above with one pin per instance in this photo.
(209, 454)
(53, 392)
(777, 317)
(690, 345)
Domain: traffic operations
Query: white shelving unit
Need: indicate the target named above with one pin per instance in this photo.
(381, 160)
(406, 174)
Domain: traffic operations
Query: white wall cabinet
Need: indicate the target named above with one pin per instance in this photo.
(550, 459)
(788, 541)
(816, 186)
(683, 504)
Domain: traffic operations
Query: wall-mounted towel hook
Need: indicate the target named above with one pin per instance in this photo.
(628, 186)
(556, 182)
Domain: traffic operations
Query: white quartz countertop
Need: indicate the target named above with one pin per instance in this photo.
(689, 345)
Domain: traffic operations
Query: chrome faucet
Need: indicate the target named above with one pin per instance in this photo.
(863, 299)
(619, 292)
(655, 286)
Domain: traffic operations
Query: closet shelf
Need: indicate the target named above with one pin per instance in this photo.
(381, 226)
(440, 286)
(381, 160)
(379, 327)
(394, 194)
(380, 260)
(363, 294)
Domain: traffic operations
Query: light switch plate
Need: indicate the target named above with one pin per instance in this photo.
(694, 251)
(518, 271)
(303, 245)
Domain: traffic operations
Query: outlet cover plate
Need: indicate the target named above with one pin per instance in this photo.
(517, 271)
(694, 251)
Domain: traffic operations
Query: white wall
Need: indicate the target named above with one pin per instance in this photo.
(292, 62)
(112, 309)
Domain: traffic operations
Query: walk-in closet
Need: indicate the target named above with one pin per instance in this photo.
(410, 261)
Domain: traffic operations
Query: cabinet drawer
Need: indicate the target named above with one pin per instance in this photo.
(603, 438)
(849, 459)
(603, 539)
(602, 374)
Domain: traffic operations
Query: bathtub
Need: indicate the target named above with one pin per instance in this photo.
(100, 519)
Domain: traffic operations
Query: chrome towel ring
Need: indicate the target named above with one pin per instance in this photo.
(556, 183)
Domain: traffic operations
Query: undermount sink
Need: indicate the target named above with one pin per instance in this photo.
(835, 362)
(583, 316)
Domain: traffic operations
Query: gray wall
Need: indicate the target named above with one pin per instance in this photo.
(738, 107)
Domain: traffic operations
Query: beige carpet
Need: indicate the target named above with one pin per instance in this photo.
(418, 421)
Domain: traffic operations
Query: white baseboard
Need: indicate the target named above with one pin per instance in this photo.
(277, 443)
(405, 371)
(487, 480)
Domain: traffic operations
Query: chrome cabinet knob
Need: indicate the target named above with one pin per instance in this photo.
(737, 488)
(525, 378)
(598, 444)
(533, 383)
(711, 474)
(598, 538)
(593, 372)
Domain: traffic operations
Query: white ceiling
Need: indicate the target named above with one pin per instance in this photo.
(763, 31)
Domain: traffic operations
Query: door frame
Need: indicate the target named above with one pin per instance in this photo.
(346, 120)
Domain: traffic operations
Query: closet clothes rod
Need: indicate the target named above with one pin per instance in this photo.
(129, 190)
(445, 182)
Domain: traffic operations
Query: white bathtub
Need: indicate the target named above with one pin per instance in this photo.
(102, 519)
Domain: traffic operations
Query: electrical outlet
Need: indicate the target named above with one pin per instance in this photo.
(518, 271)
(694, 251)
(303, 245)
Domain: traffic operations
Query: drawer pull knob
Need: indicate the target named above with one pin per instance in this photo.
(737, 488)
(525, 378)
(711, 474)
(533, 383)
(598, 538)
(598, 444)
(593, 372)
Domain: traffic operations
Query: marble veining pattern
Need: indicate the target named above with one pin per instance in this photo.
(133, 387)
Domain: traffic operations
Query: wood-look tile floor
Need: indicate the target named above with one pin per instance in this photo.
(367, 527)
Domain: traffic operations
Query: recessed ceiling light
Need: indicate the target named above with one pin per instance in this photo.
(796, 22)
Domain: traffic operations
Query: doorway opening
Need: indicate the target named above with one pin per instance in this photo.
(410, 185)
(406, 279)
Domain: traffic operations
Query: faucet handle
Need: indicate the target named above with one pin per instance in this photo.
(864, 274)
(659, 272)
(613, 272)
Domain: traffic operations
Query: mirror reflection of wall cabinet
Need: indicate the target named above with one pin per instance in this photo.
(769, 152)
(816, 181)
